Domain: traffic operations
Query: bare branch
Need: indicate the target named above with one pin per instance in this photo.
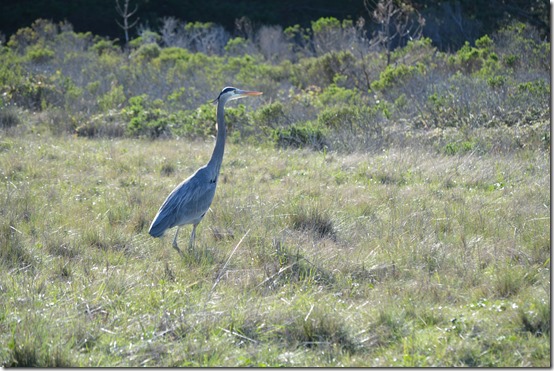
(396, 23)
(125, 14)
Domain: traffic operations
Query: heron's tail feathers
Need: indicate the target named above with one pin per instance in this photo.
(157, 228)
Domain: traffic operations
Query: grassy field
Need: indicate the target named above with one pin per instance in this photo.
(405, 257)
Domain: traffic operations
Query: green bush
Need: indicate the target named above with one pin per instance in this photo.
(201, 122)
(353, 127)
(417, 50)
(40, 31)
(346, 97)
(334, 118)
(271, 115)
(473, 59)
(197, 123)
(39, 54)
(393, 76)
(105, 46)
(147, 52)
(146, 37)
(169, 56)
(238, 46)
(113, 99)
(146, 118)
(36, 93)
(334, 94)
(325, 24)
(306, 135)
(455, 148)
(237, 122)
(522, 48)
(322, 71)
(538, 88)
(299, 38)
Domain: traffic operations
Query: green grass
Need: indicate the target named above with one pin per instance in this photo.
(407, 257)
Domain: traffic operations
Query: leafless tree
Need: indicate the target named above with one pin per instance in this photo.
(272, 44)
(170, 30)
(208, 38)
(397, 20)
(126, 15)
(244, 28)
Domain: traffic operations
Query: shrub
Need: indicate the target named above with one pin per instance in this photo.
(334, 94)
(330, 34)
(301, 135)
(237, 122)
(146, 52)
(537, 88)
(105, 46)
(326, 33)
(146, 118)
(251, 71)
(271, 115)
(334, 118)
(36, 93)
(239, 46)
(169, 56)
(418, 50)
(455, 148)
(300, 39)
(146, 37)
(58, 121)
(9, 117)
(522, 48)
(107, 124)
(113, 99)
(322, 71)
(40, 31)
(197, 123)
(39, 54)
(393, 76)
(201, 123)
(342, 98)
(472, 59)
(353, 127)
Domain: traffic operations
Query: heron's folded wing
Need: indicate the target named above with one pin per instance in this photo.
(186, 204)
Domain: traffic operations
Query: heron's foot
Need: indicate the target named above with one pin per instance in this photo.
(177, 248)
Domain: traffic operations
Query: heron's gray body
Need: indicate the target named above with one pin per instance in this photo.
(187, 203)
(191, 200)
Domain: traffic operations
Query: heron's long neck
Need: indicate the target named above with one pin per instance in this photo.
(217, 155)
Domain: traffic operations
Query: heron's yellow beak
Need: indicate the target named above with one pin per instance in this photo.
(249, 93)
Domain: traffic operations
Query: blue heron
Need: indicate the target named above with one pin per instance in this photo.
(190, 200)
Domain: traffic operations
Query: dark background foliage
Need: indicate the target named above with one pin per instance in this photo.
(448, 23)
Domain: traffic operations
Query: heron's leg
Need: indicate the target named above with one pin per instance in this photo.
(175, 241)
(192, 237)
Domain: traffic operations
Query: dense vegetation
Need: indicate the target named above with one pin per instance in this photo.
(448, 23)
(377, 206)
(335, 89)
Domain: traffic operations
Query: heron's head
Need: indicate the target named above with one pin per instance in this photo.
(229, 93)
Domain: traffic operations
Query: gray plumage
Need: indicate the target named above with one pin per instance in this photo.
(190, 200)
